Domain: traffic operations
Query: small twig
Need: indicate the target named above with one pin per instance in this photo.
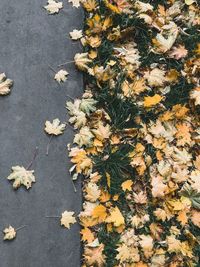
(34, 157)
(75, 190)
(21, 227)
(65, 63)
(47, 151)
(52, 69)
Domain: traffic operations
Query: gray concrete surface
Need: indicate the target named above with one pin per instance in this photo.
(30, 40)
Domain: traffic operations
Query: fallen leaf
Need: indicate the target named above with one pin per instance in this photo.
(54, 128)
(76, 34)
(87, 235)
(75, 3)
(189, 2)
(127, 185)
(81, 61)
(5, 84)
(67, 219)
(61, 76)
(115, 217)
(155, 77)
(53, 7)
(21, 177)
(94, 256)
(150, 101)
(100, 213)
(9, 233)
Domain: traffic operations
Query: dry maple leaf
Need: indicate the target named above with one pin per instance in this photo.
(94, 256)
(155, 77)
(76, 34)
(195, 217)
(140, 198)
(87, 235)
(53, 7)
(195, 94)
(9, 233)
(67, 219)
(75, 3)
(127, 185)
(179, 52)
(181, 156)
(115, 217)
(5, 84)
(54, 128)
(102, 132)
(92, 192)
(61, 76)
(99, 212)
(183, 134)
(174, 245)
(81, 61)
(84, 137)
(21, 177)
(150, 101)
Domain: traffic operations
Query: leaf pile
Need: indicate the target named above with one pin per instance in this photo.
(137, 140)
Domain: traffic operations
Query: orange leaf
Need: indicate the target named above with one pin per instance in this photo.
(99, 212)
(150, 101)
(127, 185)
(87, 235)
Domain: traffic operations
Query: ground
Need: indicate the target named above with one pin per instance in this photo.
(31, 41)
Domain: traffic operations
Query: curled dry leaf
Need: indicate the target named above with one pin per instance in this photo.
(81, 61)
(9, 233)
(5, 84)
(54, 128)
(76, 34)
(21, 176)
(53, 7)
(67, 219)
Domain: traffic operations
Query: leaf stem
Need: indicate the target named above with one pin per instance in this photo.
(47, 151)
(75, 190)
(34, 157)
(21, 227)
(65, 63)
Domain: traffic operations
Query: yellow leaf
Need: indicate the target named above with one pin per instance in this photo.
(127, 185)
(115, 217)
(100, 213)
(67, 219)
(150, 101)
(182, 217)
(108, 179)
(87, 235)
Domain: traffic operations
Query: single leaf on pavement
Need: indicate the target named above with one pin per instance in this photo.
(21, 176)
(9, 233)
(53, 7)
(76, 34)
(75, 3)
(55, 127)
(67, 219)
(61, 76)
(5, 84)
